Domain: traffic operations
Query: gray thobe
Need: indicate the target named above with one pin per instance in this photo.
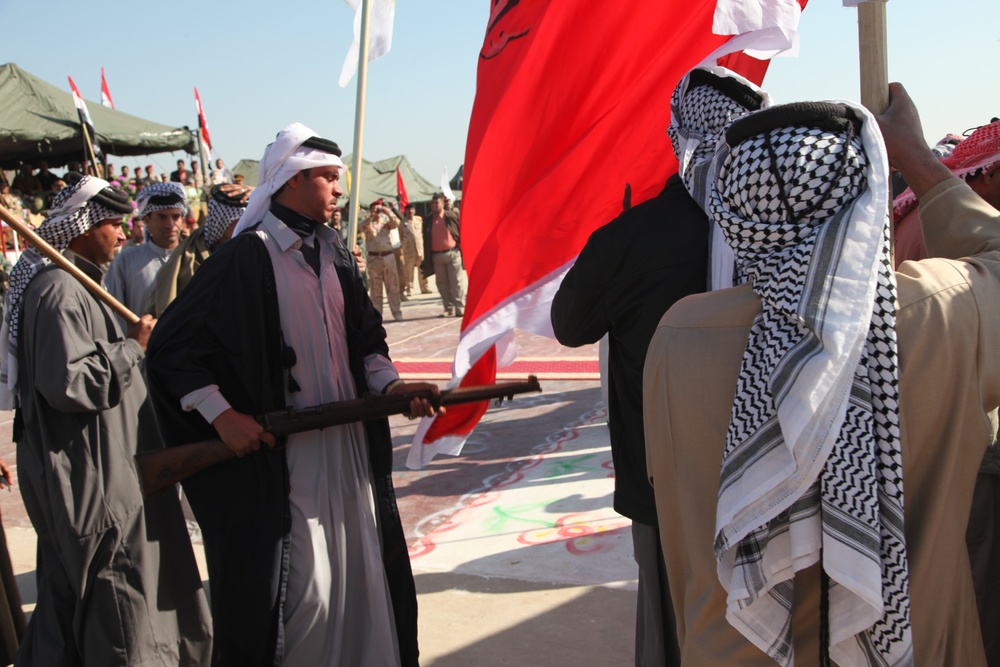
(132, 276)
(117, 582)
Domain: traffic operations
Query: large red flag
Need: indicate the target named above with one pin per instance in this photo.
(404, 199)
(202, 123)
(572, 103)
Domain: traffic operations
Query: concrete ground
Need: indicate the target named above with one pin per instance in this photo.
(517, 555)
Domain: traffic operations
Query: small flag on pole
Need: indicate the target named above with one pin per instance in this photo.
(91, 147)
(202, 124)
(446, 186)
(379, 35)
(404, 199)
(105, 93)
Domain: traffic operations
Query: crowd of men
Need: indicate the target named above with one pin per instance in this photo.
(776, 383)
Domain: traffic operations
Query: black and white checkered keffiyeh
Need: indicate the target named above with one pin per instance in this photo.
(704, 102)
(812, 469)
(227, 203)
(160, 196)
(75, 209)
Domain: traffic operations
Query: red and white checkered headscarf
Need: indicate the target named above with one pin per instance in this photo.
(979, 150)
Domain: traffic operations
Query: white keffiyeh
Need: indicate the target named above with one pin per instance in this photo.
(704, 102)
(283, 158)
(73, 212)
(812, 468)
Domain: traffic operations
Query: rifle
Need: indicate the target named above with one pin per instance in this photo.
(162, 468)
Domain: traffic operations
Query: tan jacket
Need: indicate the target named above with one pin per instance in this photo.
(949, 348)
(178, 271)
(412, 232)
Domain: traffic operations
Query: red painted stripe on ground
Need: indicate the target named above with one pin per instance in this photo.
(549, 369)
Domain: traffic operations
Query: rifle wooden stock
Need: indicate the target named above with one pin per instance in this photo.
(162, 468)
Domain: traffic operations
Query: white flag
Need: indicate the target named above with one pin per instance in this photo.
(379, 35)
(446, 187)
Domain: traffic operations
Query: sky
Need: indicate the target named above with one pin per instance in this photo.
(259, 66)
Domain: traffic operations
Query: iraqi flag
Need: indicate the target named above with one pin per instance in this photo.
(572, 103)
(90, 138)
(106, 93)
(202, 123)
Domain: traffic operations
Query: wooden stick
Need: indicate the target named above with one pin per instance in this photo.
(873, 56)
(57, 257)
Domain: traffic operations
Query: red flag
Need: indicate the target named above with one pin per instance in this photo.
(572, 102)
(202, 124)
(105, 93)
(404, 199)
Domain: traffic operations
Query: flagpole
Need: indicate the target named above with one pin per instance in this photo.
(58, 258)
(90, 146)
(359, 124)
(201, 158)
(873, 56)
(874, 60)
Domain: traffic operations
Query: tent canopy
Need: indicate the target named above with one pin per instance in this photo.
(247, 169)
(378, 179)
(38, 121)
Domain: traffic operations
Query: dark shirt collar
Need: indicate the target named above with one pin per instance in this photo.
(298, 223)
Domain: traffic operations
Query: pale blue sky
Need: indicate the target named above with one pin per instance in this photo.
(261, 65)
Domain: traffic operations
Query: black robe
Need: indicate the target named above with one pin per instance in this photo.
(224, 329)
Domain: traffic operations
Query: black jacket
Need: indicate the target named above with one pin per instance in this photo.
(628, 274)
(224, 329)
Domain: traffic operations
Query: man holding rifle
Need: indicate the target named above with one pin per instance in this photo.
(305, 549)
(117, 581)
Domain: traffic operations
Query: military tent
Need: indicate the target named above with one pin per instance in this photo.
(248, 170)
(38, 121)
(378, 179)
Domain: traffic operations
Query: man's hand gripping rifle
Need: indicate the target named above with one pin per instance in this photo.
(161, 468)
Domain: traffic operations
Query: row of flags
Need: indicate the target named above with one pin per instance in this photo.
(92, 148)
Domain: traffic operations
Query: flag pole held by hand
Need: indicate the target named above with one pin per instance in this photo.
(874, 59)
(873, 56)
(57, 258)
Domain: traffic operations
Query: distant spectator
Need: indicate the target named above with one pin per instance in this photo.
(199, 178)
(44, 176)
(180, 174)
(220, 174)
(26, 183)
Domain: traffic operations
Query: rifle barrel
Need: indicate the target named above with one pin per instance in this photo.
(162, 468)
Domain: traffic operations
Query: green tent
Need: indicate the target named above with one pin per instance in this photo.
(38, 121)
(248, 169)
(378, 180)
